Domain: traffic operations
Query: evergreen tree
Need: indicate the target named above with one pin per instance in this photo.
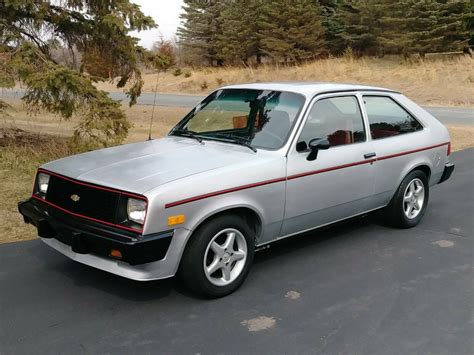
(454, 24)
(241, 37)
(469, 25)
(30, 31)
(292, 30)
(406, 26)
(238, 30)
(413, 26)
(362, 26)
(202, 27)
(333, 25)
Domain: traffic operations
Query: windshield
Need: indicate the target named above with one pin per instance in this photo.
(258, 118)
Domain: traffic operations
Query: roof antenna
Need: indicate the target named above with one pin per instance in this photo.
(154, 102)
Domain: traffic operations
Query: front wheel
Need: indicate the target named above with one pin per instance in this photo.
(410, 201)
(218, 256)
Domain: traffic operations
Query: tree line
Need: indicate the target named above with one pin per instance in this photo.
(217, 32)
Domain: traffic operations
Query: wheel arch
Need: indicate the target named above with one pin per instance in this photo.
(253, 219)
(393, 216)
(421, 166)
(249, 214)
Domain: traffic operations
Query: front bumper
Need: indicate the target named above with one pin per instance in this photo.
(448, 170)
(148, 257)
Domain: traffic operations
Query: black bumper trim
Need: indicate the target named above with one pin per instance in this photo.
(448, 170)
(92, 238)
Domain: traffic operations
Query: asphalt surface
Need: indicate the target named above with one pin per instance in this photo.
(447, 115)
(357, 288)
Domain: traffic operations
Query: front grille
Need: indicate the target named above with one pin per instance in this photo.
(83, 199)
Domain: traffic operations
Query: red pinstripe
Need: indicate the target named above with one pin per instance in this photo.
(91, 185)
(296, 176)
(87, 217)
(136, 230)
(221, 192)
(412, 151)
(314, 172)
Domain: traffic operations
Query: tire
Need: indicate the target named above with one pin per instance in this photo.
(210, 247)
(397, 213)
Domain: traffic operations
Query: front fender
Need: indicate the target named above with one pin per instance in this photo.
(209, 212)
(267, 202)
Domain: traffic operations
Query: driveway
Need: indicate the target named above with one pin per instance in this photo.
(355, 288)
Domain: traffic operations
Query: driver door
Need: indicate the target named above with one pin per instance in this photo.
(339, 182)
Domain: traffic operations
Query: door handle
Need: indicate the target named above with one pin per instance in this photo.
(369, 155)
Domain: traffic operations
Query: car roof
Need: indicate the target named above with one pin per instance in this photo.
(307, 88)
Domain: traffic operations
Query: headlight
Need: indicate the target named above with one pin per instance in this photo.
(136, 210)
(43, 182)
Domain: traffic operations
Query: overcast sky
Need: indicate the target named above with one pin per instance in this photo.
(166, 15)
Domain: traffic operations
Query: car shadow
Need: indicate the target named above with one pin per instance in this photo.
(84, 276)
(136, 291)
(313, 239)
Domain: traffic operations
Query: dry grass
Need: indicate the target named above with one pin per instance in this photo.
(20, 155)
(462, 137)
(164, 119)
(23, 152)
(432, 82)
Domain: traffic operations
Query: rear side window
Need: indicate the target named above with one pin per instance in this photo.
(387, 118)
(338, 119)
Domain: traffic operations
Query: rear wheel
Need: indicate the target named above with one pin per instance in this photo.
(218, 256)
(410, 201)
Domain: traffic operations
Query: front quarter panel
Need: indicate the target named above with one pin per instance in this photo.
(258, 185)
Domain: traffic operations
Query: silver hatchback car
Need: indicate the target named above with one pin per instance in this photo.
(251, 164)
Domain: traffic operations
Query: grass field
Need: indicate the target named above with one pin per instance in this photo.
(431, 82)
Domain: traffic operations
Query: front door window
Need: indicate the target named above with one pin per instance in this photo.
(338, 119)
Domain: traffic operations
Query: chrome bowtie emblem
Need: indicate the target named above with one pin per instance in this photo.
(75, 197)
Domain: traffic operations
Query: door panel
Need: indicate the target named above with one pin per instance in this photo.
(339, 183)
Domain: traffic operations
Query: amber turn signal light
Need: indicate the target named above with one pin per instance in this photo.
(114, 253)
(173, 220)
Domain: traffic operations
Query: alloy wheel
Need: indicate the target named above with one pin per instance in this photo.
(225, 257)
(413, 198)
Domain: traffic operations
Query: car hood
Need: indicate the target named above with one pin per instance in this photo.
(140, 167)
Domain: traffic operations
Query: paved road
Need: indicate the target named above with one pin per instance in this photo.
(451, 115)
(447, 115)
(356, 288)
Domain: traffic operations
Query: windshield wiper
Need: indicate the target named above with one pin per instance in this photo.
(233, 139)
(186, 133)
(243, 142)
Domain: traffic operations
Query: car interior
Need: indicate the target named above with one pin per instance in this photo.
(326, 120)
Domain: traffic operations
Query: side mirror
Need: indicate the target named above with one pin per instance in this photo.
(315, 145)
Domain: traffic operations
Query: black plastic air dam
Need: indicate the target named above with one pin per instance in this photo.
(86, 237)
